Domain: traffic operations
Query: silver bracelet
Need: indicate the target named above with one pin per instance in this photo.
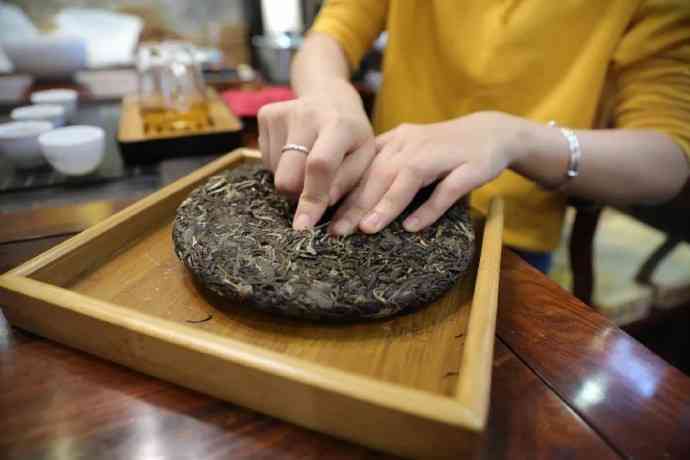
(575, 155)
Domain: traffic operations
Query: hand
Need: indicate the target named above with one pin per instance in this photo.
(465, 153)
(341, 143)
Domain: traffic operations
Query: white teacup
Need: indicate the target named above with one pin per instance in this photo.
(67, 98)
(19, 141)
(74, 150)
(40, 112)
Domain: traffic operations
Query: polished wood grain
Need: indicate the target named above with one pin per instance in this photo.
(634, 399)
(59, 403)
(26, 225)
(67, 403)
(528, 420)
(388, 384)
(13, 254)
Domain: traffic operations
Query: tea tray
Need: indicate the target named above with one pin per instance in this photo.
(143, 142)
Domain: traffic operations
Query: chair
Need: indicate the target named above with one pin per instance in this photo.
(672, 218)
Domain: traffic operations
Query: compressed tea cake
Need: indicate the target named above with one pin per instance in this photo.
(234, 233)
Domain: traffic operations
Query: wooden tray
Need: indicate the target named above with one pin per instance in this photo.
(142, 141)
(415, 385)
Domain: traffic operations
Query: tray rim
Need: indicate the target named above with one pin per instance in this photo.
(466, 411)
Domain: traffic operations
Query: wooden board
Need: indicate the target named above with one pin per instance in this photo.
(416, 385)
(142, 140)
(133, 126)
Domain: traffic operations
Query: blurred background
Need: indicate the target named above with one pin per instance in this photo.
(223, 25)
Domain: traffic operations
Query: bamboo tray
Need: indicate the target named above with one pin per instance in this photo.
(416, 385)
(143, 140)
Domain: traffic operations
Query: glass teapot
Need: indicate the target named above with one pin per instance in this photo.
(170, 77)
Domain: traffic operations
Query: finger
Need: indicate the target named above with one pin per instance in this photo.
(366, 194)
(264, 140)
(394, 137)
(273, 131)
(269, 131)
(457, 184)
(323, 160)
(263, 148)
(383, 139)
(350, 172)
(289, 176)
(394, 201)
(277, 135)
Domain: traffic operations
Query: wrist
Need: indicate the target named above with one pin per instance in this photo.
(523, 141)
(530, 141)
(541, 153)
(333, 90)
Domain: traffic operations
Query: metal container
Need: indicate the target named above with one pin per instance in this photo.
(275, 53)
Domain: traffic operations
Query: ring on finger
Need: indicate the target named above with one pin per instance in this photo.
(296, 148)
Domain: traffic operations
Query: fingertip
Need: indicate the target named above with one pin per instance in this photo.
(342, 227)
(302, 222)
(366, 229)
(287, 185)
(372, 223)
(412, 224)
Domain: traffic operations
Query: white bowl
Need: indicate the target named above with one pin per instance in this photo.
(19, 141)
(67, 98)
(47, 56)
(42, 112)
(110, 37)
(74, 150)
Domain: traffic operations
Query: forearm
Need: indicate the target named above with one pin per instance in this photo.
(617, 166)
(320, 69)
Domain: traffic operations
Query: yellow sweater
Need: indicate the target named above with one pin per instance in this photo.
(540, 59)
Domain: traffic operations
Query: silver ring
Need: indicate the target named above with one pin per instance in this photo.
(296, 148)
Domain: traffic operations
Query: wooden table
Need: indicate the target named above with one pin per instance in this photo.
(566, 383)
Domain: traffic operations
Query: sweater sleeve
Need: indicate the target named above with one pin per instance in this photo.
(354, 24)
(652, 69)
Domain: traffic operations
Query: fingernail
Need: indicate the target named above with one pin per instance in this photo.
(343, 227)
(302, 222)
(372, 221)
(411, 224)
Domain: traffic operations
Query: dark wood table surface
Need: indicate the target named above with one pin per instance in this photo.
(567, 383)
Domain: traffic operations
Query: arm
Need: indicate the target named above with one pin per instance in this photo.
(644, 161)
(320, 68)
(619, 166)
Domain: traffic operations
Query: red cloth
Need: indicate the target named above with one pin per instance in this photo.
(246, 103)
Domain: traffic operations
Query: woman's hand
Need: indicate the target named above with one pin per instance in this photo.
(465, 153)
(337, 132)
